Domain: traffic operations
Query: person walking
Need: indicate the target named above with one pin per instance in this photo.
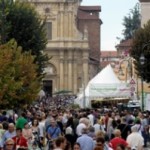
(9, 144)
(21, 121)
(86, 142)
(19, 140)
(8, 134)
(117, 140)
(53, 133)
(60, 143)
(135, 139)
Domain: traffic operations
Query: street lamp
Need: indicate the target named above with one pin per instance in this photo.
(142, 61)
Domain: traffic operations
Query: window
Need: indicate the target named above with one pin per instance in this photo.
(48, 27)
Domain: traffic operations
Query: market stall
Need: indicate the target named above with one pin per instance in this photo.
(104, 85)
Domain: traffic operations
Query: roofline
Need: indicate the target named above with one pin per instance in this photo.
(144, 1)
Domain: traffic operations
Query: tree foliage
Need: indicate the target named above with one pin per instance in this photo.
(19, 84)
(131, 22)
(141, 45)
(19, 20)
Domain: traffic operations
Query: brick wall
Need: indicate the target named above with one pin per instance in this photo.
(90, 19)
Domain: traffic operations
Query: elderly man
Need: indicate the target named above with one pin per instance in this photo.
(8, 134)
(86, 142)
(135, 139)
(83, 123)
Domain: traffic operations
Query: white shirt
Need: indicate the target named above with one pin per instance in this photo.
(79, 128)
(135, 140)
(42, 128)
(96, 127)
(69, 130)
(91, 118)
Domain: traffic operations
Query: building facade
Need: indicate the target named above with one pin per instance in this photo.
(108, 57)
(88, 19)
(124, 48)
(67, 48)
(145, 8)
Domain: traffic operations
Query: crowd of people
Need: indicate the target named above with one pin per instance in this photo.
(40, 127)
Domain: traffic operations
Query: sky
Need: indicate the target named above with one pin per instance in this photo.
(112, 14)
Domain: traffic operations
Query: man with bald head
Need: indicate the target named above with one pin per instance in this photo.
(117, 140)
(8, 134)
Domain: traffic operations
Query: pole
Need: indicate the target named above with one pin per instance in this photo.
(137, 88)
(142, 87)
(83, 95)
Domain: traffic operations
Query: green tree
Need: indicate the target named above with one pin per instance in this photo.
(19, 84)
(19, 20)
(141, 45)
(131, 22)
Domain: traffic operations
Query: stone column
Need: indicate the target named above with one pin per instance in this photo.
(61, 74)
(75, 82)
(70, 23)
(61, 24)
(70, 20)
(85, 68)
(70, 78)
(61, 20)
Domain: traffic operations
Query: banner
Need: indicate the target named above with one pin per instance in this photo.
(109, 90)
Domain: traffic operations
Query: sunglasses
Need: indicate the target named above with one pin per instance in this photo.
(100, 144)
(10, 144)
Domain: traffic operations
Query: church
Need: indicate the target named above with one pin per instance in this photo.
(73, 33)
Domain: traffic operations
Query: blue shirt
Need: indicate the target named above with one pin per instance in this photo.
(86, 142)
(54, 132)
(6, 136)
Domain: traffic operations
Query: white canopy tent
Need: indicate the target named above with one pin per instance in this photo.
(104, 85)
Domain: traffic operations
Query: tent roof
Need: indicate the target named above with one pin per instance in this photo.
(104, 84)
(106, 76)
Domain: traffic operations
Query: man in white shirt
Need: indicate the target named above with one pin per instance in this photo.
(79, 128)
(135, 139)
(99, 126)
(91, 119)
(83, 123)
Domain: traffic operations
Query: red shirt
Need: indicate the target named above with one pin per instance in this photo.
(117, 141)
(21, 142)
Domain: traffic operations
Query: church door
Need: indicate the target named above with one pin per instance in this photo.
(48, 87)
